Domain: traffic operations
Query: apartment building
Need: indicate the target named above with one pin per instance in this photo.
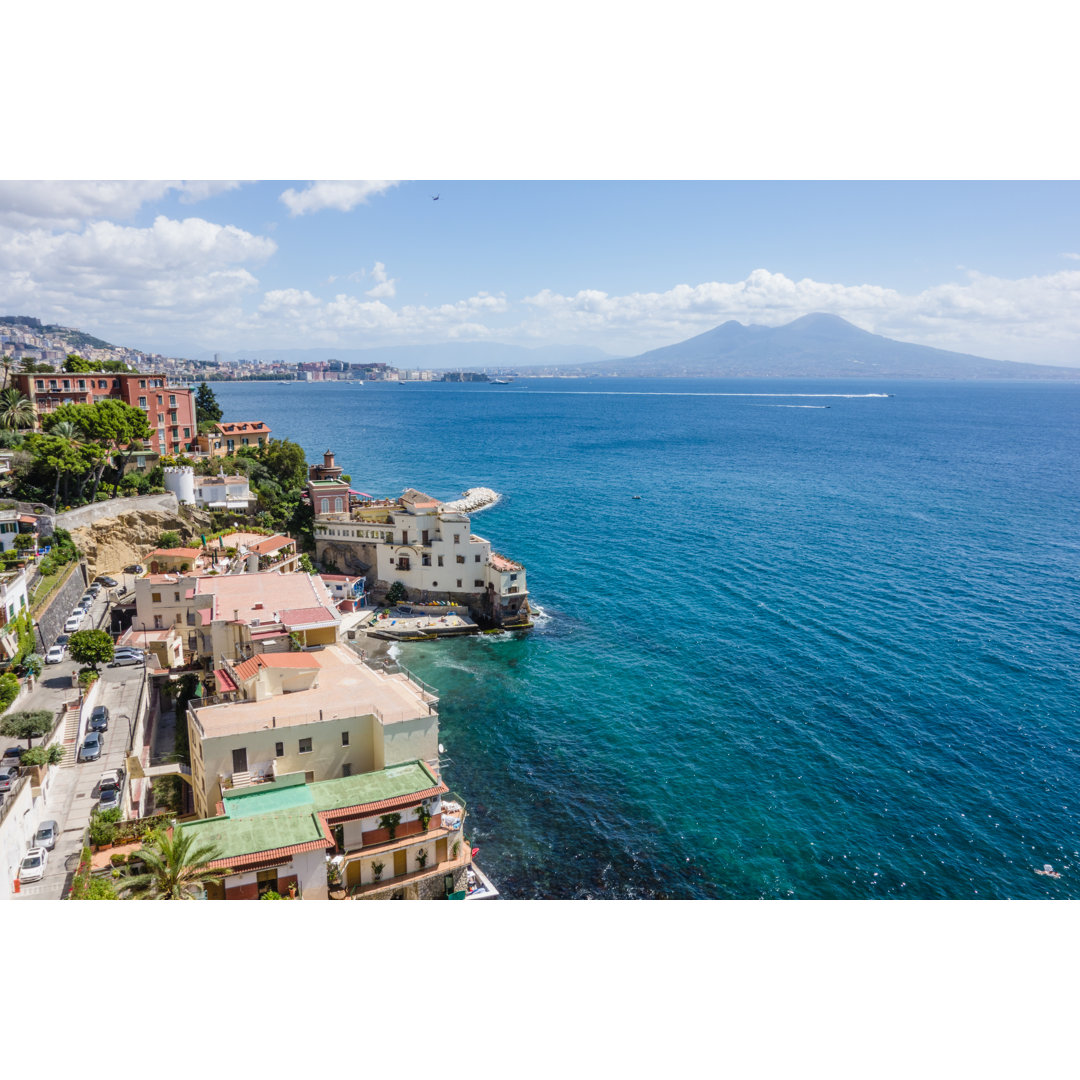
(432, 551)
(395, 833)
(321, 713)
(170, 410)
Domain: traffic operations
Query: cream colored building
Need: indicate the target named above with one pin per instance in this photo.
(433, 552)
(322, 713)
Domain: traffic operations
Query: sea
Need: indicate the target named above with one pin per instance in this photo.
(796, 639)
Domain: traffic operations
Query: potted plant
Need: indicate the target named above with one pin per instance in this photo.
(425, 816)
(421, 857)
(390, 822)
(377, 869)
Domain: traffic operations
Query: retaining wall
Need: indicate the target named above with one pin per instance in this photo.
(88, 515)
(51, 621)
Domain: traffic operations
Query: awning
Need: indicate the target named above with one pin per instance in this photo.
(363, 493)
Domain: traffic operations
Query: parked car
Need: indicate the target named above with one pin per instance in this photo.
(33, 864)
(15, 752)
(109, 800)
(63, 639)
(99, 718)
(46, 835)
(108, 582)
(73, 623)
(87, 600)
(94, 590)
(8, 775)
(111, 778)
(137, 570)
(124, 659)
(55, 655)
(91, 747)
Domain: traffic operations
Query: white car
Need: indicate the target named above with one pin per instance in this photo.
(73, 624)
(33, 864)
(55, 655)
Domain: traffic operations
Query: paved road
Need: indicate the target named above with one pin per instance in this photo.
(73, 793)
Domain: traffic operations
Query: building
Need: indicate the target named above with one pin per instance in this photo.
(13, 601)
(237, 615)
(347, 591)
(233, 435)
(431, 550)
(223, 492)
(394, 833)
(327, 492)
(321, 713)
(176, 560)
(170, 410)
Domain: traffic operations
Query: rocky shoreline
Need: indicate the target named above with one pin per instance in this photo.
(473, 500)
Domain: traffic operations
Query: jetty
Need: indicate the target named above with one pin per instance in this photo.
(477, 498)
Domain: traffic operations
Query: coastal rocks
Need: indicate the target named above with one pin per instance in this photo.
(478, 498)
(112, 543)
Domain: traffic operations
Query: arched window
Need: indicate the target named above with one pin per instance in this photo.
(326, 506)
(337, 505)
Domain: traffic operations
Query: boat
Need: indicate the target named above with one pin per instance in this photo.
(636, 496)
(500, 382)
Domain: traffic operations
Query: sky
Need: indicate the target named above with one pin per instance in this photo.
(190, 268)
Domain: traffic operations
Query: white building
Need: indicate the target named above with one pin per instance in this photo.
(432, 551)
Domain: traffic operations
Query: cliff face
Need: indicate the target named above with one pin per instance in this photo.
(113, 543)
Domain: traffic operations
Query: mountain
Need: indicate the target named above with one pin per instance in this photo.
(450, 355)
(817, 346)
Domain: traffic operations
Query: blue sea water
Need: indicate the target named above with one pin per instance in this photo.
(830, 653)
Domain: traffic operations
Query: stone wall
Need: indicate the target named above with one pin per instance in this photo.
(51, 621)
(88, 515)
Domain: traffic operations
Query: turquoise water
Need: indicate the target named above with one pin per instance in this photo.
(829, 653)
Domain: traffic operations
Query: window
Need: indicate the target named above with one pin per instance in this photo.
(337, 505)
(459, 583)
(178, 617)
(425, 560)
(457, 538)
(172, 416)
(142, 403)
(440, 560)
(305, 746)
(176, 596)
(82, 384)
(172, 400)
(266, 881)
(67, 384)
(346, 769)
(309, 778)
(158, 625)
(41, 384)
(159, 401)
(155, 597)
(279, 749)
(476, 558)
(142, 384)
(103, 384)
(478, 583)
(461, 558)
(325, 502)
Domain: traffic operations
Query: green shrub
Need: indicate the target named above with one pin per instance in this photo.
(9, 690)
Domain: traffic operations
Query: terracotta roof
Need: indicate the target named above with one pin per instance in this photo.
(244, 427)
(306, 616)
(187, 553)
(301, 660)
(344, 813)
(272, 543)
(225, 683)
(257, 858)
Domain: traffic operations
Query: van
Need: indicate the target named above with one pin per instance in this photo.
(46, 836)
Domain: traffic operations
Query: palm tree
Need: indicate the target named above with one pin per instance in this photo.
(176, 867)
(16, 411)
(7, 362)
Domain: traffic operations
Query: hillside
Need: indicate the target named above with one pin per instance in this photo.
(816, 346)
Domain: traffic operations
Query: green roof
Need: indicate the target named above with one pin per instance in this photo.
(265, 832)
(287, 795)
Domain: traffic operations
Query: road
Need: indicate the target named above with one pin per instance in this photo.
(73, 792)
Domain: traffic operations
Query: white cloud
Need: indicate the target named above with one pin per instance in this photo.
(1070, 254)
(333, 195)
(68, 203)
(385, 289)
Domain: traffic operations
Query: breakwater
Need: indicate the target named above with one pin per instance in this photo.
(474, 500)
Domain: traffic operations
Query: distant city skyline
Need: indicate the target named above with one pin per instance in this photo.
(192, 268)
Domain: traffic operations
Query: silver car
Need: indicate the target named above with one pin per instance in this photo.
(46, 835)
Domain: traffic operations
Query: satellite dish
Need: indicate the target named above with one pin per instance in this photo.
(442, 749)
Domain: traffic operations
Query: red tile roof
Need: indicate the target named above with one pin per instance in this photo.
(225, 683)
(244, 427)
(250, 668)
(306, 616)
(345, 813)
(272, 544)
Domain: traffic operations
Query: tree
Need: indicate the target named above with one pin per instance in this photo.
(287, 462)
(27, 725)
(24, 541)
(396, 593)
(91, 647)
(52, 754)
(206, 404)
(175, 867)
(75, 362)
(169, 539)
(16, 411)
(8, 362)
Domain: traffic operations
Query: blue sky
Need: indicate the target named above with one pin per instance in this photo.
(188, 268)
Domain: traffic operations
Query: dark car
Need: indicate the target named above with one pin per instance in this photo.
(63, 639)
(109, 800)
(91, 747)
(15, 752)
(99, 718)
(136, 570)
(108, 582)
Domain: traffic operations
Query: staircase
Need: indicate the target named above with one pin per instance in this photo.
(70, 737)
